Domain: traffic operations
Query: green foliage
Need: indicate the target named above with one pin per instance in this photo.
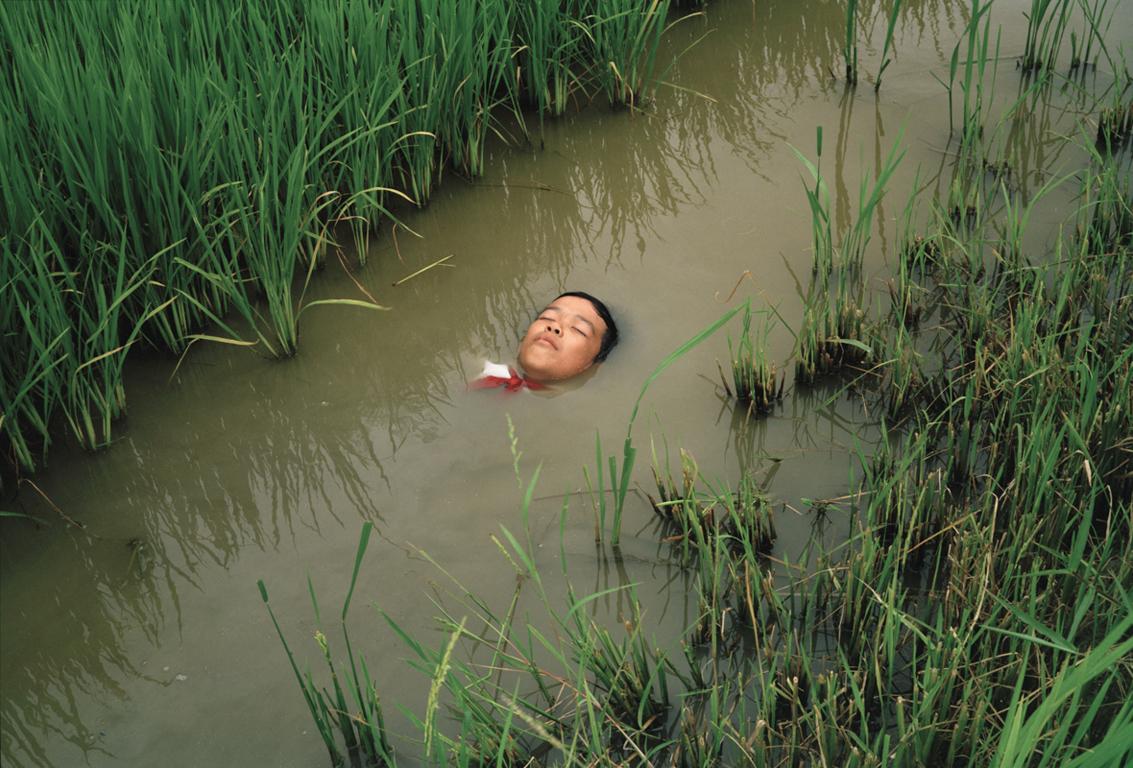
(360, 727)
(758, 384)
(175, 165)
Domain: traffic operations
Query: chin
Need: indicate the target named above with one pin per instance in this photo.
(539, 373)
(541, 376)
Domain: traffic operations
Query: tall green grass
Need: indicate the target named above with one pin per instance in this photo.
(1047, 23)
(758, 384)
(176, 173)
(887, 46)
(356, 717)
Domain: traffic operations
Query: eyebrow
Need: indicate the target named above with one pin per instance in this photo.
(593, 328)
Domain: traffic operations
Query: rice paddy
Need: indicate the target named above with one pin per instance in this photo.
(979, 614)
(224, 152)
(958, 594)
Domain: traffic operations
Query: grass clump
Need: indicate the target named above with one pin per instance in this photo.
(757, 384)
(835, 334)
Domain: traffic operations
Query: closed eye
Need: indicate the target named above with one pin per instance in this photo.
(580, 332)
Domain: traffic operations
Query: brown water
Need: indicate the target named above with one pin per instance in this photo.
(140, 638)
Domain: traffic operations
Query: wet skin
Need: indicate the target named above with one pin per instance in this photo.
(563, 340)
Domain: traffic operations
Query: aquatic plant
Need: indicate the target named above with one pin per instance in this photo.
(850, 252)
(548, 46)
(850, 45)
(361, 728)
(758, 384)
(619, 477)
(670, 494)
(818, 199)
(1046, 28)
(1095, 25)
(1115, 117)
(853, 246)
(225, 149)
(834, 334)
(977, 614)
(890, 27)
(624, 35)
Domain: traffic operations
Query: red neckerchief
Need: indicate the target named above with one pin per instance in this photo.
(513, 383)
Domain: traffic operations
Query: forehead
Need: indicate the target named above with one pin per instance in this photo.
(576, 305)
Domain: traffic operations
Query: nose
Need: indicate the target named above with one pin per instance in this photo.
(554, 328)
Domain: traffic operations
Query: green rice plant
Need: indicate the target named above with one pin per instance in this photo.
(214, 150)
(96, 397)
(834, 334)
(853, 246)
(1115, 117)
(548, 47)
(702, 734)
(975, 62)
(362, 730)
(906, 378)
(974, 82)
(32, 376)
(1045, 732)
(366, 70)
(944, 605)
(1046, 27)
(705, 546)
(671, 496)
(850, 46)
(749, 518)
(757, 382)
(624, 36)
(851, 252)
(601, 695)
(698, 519)
(982, 624)
(471, 60)
(1106, 213)
(619, 477)
(629, 673)
(1115, 125)
(918, 254)
(819, 201)
(890, 27)
(921, 254)
(1082, 56)
(487, 729)
(906, 296)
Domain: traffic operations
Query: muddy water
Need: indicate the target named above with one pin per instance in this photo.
(140, 639)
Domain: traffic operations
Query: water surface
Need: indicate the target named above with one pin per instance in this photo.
(140, 639)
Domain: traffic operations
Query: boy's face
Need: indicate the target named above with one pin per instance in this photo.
(563, 340)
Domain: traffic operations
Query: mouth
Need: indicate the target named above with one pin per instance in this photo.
(548, 340)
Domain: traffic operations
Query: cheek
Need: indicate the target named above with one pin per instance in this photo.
(584, 350)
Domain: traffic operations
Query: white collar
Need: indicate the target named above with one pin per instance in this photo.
(496, 369)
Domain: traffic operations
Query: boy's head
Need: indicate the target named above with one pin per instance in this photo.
(572, 333)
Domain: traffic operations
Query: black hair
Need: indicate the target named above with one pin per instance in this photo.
(610, 337)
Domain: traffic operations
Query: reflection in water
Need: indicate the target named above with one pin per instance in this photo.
(85, 614)
(95, 593)
(766, 64)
